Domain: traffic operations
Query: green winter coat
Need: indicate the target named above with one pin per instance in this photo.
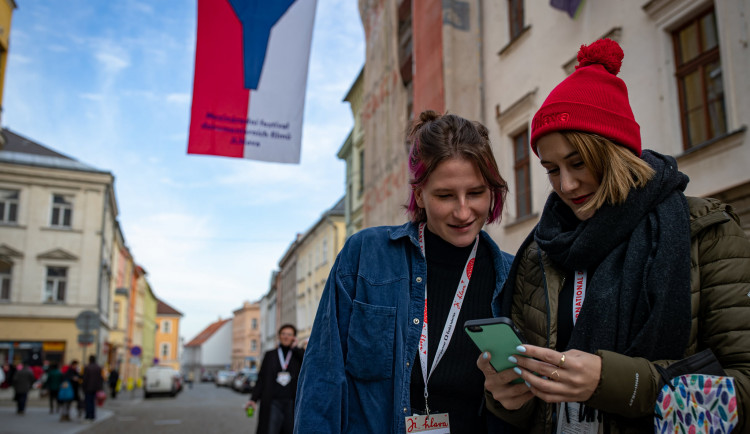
(53, 381)
(720, 288)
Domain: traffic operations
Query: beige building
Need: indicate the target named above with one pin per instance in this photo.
(57, 224)
(316, 253)
(246, 337)
(353, 154)
(685, 64)
(688, 76)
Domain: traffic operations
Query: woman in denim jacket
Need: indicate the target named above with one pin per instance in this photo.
(363, 369)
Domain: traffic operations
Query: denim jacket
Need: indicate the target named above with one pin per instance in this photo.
(357, 367)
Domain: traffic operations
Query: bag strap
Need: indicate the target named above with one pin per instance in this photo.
(704, 362)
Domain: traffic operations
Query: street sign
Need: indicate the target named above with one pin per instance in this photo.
(86, 338)
(135, 351)
(87, 321)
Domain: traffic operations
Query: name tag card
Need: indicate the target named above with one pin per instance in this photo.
(433, 424)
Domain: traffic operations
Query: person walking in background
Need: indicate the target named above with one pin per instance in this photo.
(114, 376)
(22, 381)
(373, 358)
(622, 277)
(52, 382)
(276, 387)
(73, 375)
(92, 383)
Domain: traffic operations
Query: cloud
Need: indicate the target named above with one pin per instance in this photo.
(179, 98)
(111, 62)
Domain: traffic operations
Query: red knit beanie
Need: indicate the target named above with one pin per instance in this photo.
(592, 100)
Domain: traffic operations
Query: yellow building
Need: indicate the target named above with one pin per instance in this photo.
(316, 253)
(167, 334)
(246, 339)
(148, 358)
(6, 17)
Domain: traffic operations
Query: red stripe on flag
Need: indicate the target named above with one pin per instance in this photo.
(220, 100)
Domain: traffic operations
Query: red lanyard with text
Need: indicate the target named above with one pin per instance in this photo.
(579, 293)
(284, 362)
(450, 322)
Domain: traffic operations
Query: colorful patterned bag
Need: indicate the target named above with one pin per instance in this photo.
(697, 404)
(696, 397)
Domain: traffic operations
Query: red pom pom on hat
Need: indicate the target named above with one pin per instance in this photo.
(605, 52)
(591, 100)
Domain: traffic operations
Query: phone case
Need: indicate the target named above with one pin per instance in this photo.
(498, 336)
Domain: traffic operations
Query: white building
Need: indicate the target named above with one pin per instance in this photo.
(210, 350)
(57, 224)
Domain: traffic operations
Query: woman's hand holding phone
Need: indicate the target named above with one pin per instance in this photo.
(500, 384)
(572, 376)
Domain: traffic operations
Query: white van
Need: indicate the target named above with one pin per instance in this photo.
(161, 379)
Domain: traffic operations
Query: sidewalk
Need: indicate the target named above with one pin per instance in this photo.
(37, 418)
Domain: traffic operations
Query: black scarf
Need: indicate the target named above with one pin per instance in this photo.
(638, 301)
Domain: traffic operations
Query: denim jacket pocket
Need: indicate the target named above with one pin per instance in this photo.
(370, 342)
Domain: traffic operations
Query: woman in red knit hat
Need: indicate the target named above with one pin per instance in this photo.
(623, 275)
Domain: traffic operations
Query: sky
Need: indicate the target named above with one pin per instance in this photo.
(109, 83)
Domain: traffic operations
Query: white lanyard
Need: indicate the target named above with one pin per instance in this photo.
(450, 322)
(284, 362)
(579, 293)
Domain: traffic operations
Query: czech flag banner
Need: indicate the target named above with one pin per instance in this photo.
(251, 61)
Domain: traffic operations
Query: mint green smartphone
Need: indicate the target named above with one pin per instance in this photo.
(498, 336)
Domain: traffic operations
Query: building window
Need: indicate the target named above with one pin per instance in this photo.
(8, 206)
(57, 279)
(166, 326)
(700, 80)
(116, 309)
(62, 211)
(253, 345)
(164, 351)
(522, 173)
(5, 279)
(515, 18)
(254, 324)
(325, 251)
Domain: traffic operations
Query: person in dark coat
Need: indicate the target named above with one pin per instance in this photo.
(92, 383)
(114, 376)
(73, 375)
(52, 384)
(23, 379)
(276, 388)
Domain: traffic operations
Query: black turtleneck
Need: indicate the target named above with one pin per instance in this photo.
(456, 385)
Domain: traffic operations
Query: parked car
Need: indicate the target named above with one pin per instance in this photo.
(244, 381)
(224, 378)
(161, 379)
(207, 377)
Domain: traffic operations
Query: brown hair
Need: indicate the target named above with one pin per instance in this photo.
(435, 138)
(617, 168)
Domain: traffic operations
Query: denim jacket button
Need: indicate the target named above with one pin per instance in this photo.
(404, 409)
(419, 280)
(416, 320)
(408, 364)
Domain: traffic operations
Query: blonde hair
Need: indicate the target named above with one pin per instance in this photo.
(617, 168)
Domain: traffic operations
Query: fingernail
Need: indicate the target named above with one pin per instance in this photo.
(485, 355)
(527, 384)
(521, 349)
(517, 370)
(512, 359)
